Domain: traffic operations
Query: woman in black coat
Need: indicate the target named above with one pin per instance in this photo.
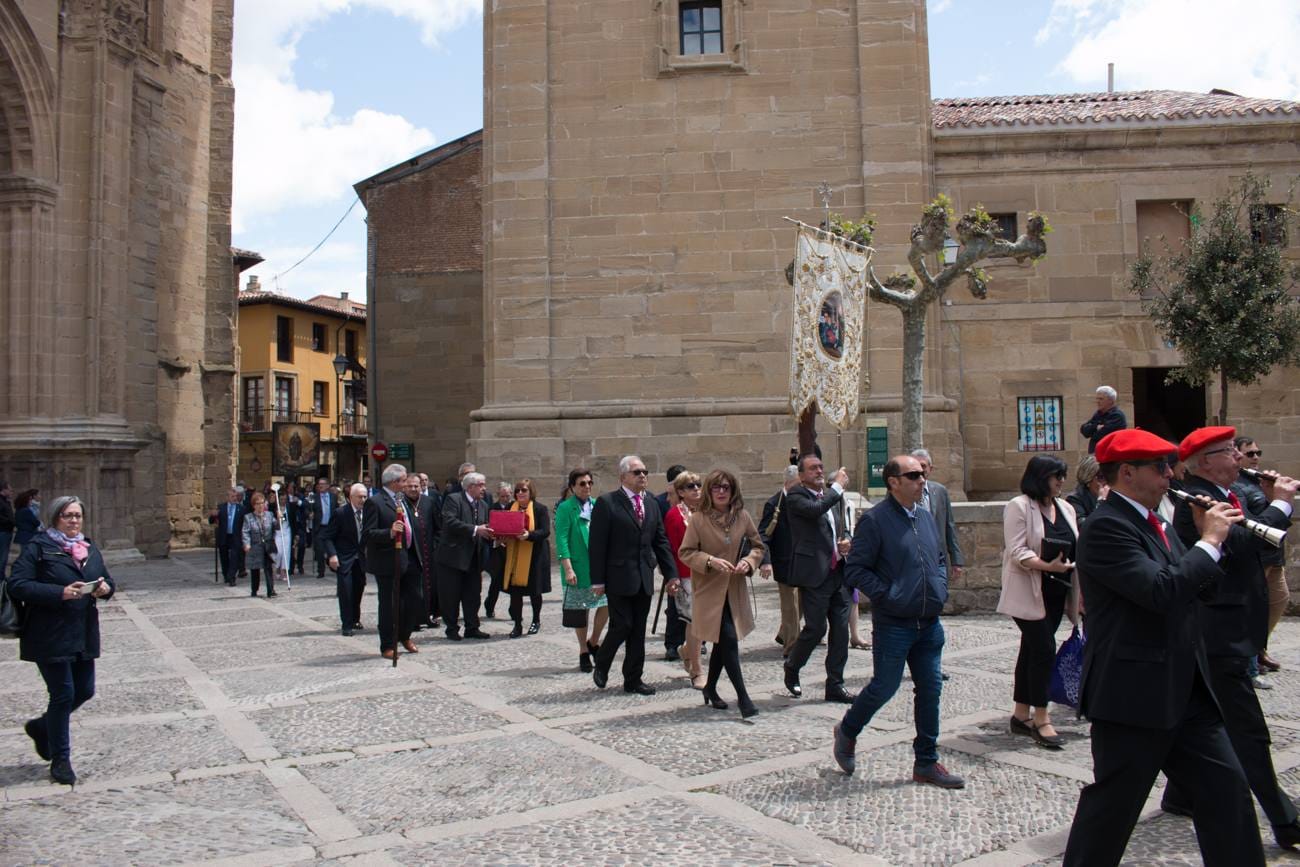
(58, 577)
(528, 559)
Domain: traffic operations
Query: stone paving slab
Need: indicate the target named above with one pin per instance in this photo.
(124, 699)
(344, 724)
(119, 667)
(338, 673)
(168, 823)
(235, 633)
(214, 617)
(880, 812)
(456, 782)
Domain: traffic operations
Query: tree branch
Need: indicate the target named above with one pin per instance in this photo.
(888, 293)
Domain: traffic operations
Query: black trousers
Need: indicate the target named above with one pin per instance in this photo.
(255, 576)
(674, 626)
(318, 547)
(496, 577)
(1248, 731)
(517, 595)
(231, 555)
(458, 595)
(409, 591)
(627, 617)
(1198, 756)
(825, 608)
(351, 586)
(1037, 656)
(299, 551)
(726, 655)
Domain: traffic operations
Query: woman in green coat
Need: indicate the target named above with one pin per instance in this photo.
(572, 525)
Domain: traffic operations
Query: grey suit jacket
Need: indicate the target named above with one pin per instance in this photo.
(941, 508)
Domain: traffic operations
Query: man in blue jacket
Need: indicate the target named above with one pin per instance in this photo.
(896, 561)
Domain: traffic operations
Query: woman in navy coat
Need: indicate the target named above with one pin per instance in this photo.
(59, 577)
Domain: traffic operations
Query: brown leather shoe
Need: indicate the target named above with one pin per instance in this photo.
(1268, 662)
(410, 646)
(387, 654)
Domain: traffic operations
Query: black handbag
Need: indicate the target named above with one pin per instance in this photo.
(12, 612)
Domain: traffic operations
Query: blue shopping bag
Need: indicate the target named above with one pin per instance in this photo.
(1067, 673)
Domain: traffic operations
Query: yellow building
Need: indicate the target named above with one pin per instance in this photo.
(301, 363)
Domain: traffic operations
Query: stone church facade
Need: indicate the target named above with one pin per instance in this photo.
(117, 280)
(632, 195)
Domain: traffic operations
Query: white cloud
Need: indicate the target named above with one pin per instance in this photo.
(291, 149)
(938, 7)
(1181, 45)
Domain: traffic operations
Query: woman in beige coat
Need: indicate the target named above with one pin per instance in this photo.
(721, 610)
(1035, 591)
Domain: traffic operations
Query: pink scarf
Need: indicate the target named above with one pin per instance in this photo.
(74, 546)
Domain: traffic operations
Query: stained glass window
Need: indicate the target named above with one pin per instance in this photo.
(1041, 424)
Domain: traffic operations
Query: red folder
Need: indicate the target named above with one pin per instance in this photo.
(509, 524)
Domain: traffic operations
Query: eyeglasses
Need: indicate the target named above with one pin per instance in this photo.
(1254, 453)
(1161, 466)
(640, 472)
(71, 516)
(585, 483)
(692, 486)
(521, 490)
(722, 487)
(914, 475)
(1221, 451)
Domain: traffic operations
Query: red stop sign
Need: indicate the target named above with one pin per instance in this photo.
(379, 452)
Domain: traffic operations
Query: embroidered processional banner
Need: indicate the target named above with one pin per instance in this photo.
(829, 330)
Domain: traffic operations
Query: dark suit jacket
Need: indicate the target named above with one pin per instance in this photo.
(811, 541)
(941, 508)
(225, 538)
(421, 527)
(1101, 424)
(458, 547)
(341, 540)
(776, 537)
(1144, 638)
(315, 512)
(297, 511)
(383, 558)
(623, 555)
(1234, 618)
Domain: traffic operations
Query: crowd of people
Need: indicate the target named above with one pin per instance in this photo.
(1148, 552)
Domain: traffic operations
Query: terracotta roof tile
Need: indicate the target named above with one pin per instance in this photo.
(263, 296)
(1084, 108)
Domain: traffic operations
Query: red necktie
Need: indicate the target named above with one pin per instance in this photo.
(638, 508)
(1159, 528)
(1233, 501)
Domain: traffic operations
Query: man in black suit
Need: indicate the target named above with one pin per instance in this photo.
(386, 521)
(1235, 620)
(345, 547)
(819, 541)
(229, 521)
(297, 512)
(462, 555)
(433, 614)
(1146, 679)
(626, 540)
(322, 504)
(775, 530)
(420, 563)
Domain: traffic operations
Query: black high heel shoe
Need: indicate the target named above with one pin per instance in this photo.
(592, 647)
(711, 699)
(747, 708)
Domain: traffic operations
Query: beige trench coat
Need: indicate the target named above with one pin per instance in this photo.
(710, 587)
(1022, 588)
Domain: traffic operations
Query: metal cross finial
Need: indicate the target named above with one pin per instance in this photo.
(824, 193)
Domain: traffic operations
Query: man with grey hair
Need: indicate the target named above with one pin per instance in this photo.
(458, 485)
(387, 528)
(462, 555)
(1106, 420)
(774, 527)
(627, 538)
(936, 501)
(344, 539)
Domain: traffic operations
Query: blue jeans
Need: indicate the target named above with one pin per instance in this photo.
(891, 647)
(70, 684)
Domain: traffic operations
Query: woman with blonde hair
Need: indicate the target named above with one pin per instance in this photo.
(722, 546)
(259, 545)
(528, 558)
(686, 490)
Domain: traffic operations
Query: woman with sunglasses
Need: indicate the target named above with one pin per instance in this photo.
(722, 546)
(572, 530)
(528, 559)
(60, 575)
(1038, 585)
(688, 492)
(1090, 490)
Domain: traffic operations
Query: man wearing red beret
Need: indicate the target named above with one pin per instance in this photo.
(1146, 679)
(1234, 619)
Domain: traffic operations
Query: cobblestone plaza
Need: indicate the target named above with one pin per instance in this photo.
(237, 731)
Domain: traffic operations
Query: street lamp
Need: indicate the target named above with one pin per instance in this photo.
(950, 248)
(341, 364)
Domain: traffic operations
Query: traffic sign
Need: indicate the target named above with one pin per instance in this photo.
(379, 452)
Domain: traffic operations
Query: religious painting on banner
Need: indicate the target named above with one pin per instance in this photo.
(829, 333)
(295, 448)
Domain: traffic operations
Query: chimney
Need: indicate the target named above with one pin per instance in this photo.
(343, 296)
(1110, 78)
(253, 284)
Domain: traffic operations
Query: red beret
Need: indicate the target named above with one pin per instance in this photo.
(1202, 437)
(1132, 444)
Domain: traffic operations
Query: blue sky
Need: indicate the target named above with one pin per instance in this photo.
(329, 92)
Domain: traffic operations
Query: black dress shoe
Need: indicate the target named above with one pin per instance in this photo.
(272, 595)
(534, 628)
(1051, 742)
(1018, 726)
(357, 625)
(35, 729)
(476, 633)
(600, 678)
(518, 630)
(840, 696)
(61, 772)
(792, 683)
(671, 655)
(592, 647)
(454, 634)
(584, 663)
(347, 632)
(639, 689)
(1287, 836)
(436, 623)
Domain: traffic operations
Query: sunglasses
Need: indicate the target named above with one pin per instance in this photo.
(586, 483)
(1254, 453)
(914, 475)
(692, 486)
(640, 472)
(1161, 466)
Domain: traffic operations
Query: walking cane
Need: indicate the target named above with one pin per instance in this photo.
(397, 582)
(658, 606)
(216, 563)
